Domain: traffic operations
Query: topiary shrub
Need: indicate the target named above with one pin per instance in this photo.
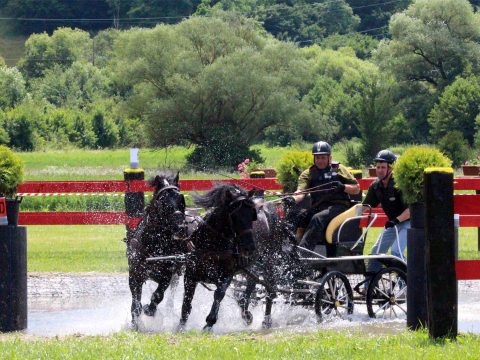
(11, 171)
(409, 169)
(290, 166)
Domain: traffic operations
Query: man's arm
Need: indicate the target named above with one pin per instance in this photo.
(405, 215)
(303, 181)
(352, 189)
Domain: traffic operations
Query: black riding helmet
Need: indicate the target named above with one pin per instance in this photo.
(385, 156)
(321, 148)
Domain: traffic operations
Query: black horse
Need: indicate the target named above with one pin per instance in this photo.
(222, 245)
(276, 262)
(157, 234)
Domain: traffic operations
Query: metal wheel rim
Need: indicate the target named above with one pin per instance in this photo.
(388, 296)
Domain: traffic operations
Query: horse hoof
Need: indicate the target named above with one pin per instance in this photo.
(149, 310)
(247, 317)
(267, 322)
(207, 329)
(134, 325)
(180, 328)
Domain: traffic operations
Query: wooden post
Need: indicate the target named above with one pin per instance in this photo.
(13, 278)
(442, 296)
(134, 201)
(417, 315)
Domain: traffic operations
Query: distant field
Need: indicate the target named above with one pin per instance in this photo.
(11, 48)
(109, 164)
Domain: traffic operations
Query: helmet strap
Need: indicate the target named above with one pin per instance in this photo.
(389, 171)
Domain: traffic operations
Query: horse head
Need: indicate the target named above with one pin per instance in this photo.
(231, 216)
(166, 210)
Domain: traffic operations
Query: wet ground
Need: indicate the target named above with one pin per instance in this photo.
(99, 304)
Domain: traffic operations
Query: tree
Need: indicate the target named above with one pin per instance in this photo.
(355, 94)
(308, 22)
(62, 48)
(76, 86)
(12, 87)
(304, 21)
(46, 11)
(363, 45)
(188, 76)
(457, 109)
(433, 41)
(453, 145)
(375, 15)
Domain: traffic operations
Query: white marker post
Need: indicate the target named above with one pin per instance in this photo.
(134, 163)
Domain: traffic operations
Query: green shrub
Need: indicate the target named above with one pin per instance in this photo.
(290, 166)
(409, 169)
(11, 171)
(455, 147)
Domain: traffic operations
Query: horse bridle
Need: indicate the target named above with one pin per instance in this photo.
(162, 191)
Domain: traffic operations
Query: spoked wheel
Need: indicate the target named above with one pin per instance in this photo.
(334, 296)
(387, 294)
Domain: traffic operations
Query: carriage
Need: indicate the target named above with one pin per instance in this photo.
(332, 285)
(223, 245)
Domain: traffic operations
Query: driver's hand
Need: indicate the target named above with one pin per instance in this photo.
(338, 186)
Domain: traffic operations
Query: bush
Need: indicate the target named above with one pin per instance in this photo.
(409, 169)
(455, 147)
(11, 171)
(290, 167)
(354, 155)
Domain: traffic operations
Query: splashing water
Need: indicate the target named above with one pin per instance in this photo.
(90, 305)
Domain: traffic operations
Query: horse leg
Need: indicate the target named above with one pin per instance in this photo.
(135, 283)
(173, 287)
(244, 302)
(189, 292)
(158, 294)
(217, 299)
(267, 320)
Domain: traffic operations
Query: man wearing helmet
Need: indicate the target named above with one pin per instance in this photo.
(382, 191)
(332, 184)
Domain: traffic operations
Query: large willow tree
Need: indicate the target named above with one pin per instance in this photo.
(213, 83)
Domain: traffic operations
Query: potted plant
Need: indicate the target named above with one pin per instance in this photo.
(409, 178)
(372, 171)
(471, 167)
(409, 168)
(11, 174)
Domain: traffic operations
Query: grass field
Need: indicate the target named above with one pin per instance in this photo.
(277, 345)
(77, 164)
(87, 248)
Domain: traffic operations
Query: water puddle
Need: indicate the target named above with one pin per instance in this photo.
(62, 304)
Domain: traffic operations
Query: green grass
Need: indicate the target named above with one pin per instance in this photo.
(76, 164)
(278, 345)
(85, 248)
(77, 248)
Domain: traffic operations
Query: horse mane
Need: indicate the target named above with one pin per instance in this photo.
(219, 196)
(158, 183)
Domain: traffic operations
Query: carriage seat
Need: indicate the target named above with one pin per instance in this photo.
(351, 230)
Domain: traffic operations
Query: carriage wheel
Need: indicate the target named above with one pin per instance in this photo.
(387, 294)
(334, 296)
